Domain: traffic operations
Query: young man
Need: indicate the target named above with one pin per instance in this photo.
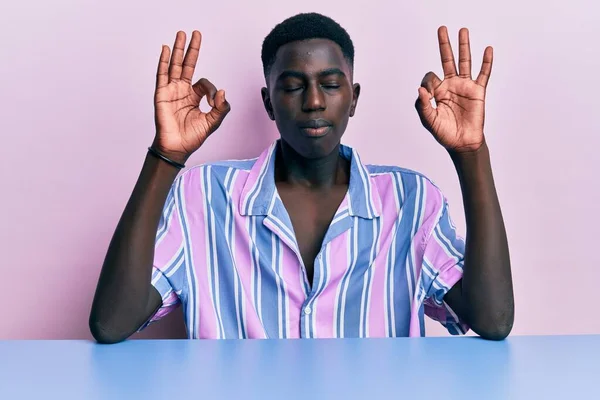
(306, 241)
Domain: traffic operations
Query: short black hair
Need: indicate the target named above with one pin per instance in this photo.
(305, 26)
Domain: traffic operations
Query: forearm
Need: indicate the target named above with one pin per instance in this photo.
(124, 296)
(486, 289)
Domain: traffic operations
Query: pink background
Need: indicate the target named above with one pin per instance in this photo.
(77, 79)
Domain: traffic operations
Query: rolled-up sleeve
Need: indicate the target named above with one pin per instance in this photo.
(443, 261)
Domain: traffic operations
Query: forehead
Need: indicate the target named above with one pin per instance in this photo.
(309, 57)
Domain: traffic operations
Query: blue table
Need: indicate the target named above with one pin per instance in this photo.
(528, 367)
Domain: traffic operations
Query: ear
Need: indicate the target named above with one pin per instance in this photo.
(355, 94)
(264, 92)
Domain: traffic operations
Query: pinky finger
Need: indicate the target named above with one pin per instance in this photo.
(486, 67)
(162, 73)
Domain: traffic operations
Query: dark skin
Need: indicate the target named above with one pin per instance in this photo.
(310, 81)
(484, 297)
(124, 297)
(311, 200)
(310, 94)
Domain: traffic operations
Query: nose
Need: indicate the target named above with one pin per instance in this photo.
(314, 99)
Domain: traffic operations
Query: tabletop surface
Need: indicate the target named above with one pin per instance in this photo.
(521, 367)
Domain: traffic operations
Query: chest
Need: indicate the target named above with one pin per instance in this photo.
(311, 214)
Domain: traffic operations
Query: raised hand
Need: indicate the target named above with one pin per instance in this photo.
(181, 127)
(457, 120)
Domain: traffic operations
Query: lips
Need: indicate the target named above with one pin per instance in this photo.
(315, 124)
(315, 128)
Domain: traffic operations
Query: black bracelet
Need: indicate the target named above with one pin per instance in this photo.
(155, 153)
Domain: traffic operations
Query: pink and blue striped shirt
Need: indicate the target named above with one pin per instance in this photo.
(226, 251)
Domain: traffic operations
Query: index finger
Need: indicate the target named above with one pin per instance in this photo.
(191, 57)
(446, 54)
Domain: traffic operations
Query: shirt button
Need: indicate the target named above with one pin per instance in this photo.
(307, 311)
(319, 257)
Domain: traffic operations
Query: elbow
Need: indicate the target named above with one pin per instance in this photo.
(103, 335)
(496, 333)
(497, 328)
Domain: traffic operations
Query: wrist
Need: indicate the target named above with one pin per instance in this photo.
(474, 168)
(162, 173)
(179, 157)
(466, 157)
(171, 159)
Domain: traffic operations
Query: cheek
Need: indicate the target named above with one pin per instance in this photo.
(342, 99)
(341, 105)
(285, 108)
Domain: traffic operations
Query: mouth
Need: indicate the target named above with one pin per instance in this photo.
(315, 128)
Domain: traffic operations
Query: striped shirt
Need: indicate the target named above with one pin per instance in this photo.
(226, 251)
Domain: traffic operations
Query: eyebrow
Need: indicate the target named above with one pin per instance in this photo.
(300, 75)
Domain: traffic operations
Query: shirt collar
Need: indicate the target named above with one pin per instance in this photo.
(259, 192)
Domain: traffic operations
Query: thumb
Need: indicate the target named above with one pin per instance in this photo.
(424, 108)
(220, 109)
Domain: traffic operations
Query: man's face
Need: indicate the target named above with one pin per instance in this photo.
(310, 95)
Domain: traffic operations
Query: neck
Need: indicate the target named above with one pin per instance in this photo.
(313, 173)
